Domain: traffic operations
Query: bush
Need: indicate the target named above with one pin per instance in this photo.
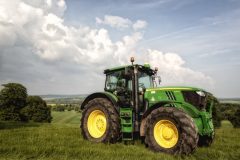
(12, 99)
(59, 108)
(235, 119)
(77, 108)
(69, 107)
(8, 114)
(230, 111)
(36, 110)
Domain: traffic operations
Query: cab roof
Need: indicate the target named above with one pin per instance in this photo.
(120, 68)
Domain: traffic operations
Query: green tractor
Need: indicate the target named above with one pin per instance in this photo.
(173, 120)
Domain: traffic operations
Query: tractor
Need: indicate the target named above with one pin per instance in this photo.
(174, 120)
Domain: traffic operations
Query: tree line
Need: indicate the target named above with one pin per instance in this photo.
(65, 107)
(16, 105)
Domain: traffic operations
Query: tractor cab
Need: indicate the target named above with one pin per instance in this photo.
(129, 83)
(122, 77)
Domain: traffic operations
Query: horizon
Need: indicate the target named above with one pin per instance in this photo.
(230, 98)
(59, 47)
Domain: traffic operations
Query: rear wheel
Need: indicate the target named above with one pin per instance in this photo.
(100, 122)
(171, 131)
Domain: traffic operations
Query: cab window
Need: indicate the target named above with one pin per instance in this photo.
(111, 81)
(145, 80)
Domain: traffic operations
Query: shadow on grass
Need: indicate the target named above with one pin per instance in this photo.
(14, 125)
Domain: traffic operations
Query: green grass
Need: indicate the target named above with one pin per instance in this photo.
(62, 140)
(67, 117)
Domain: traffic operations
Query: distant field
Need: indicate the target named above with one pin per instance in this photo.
(67, 117)
(62, 140)
(230, 101)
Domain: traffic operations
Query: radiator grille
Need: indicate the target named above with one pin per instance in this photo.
(195, 99)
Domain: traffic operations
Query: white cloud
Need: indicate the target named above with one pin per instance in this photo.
(53, 40)
(56, 7)
(139, 24)
(121, 23)
(173, 72)
(114, 21)
(38, 28)
(61, 3)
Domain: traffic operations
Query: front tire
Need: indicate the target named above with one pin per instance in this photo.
(100, 121)
(171, 131)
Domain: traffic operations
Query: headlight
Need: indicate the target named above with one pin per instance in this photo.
(201, 93)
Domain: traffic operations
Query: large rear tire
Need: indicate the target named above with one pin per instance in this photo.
(171, 131)
(100, 121)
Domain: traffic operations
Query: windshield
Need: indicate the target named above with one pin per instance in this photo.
(145, 80)
(116, 81)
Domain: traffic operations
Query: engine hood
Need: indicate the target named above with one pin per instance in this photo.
(174, 93)
(174, 88)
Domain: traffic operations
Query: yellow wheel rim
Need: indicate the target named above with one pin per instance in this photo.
(166, 133)
(97, 124)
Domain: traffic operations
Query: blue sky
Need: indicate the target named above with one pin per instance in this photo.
(60, 45)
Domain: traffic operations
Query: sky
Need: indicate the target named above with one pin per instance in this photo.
(62, 47)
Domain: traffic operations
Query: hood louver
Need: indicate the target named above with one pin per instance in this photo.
(170, 95)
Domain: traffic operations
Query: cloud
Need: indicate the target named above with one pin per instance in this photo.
(52, 40)
(121, 23)
(173, 72)
(114, 21)
(39, 50)
(56, 7)
(139, 24)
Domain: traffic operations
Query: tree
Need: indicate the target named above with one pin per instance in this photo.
(12, 99)
(36, 110)
(59, 108)
(235, 119)
(231, 112)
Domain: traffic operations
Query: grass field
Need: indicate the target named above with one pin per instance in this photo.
(62, 140)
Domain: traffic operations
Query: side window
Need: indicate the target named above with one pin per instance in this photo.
(111, 83)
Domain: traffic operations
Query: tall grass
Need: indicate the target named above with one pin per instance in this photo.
(62, 140)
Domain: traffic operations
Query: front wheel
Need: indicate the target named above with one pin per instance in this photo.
(171, 131)
(100, 122)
